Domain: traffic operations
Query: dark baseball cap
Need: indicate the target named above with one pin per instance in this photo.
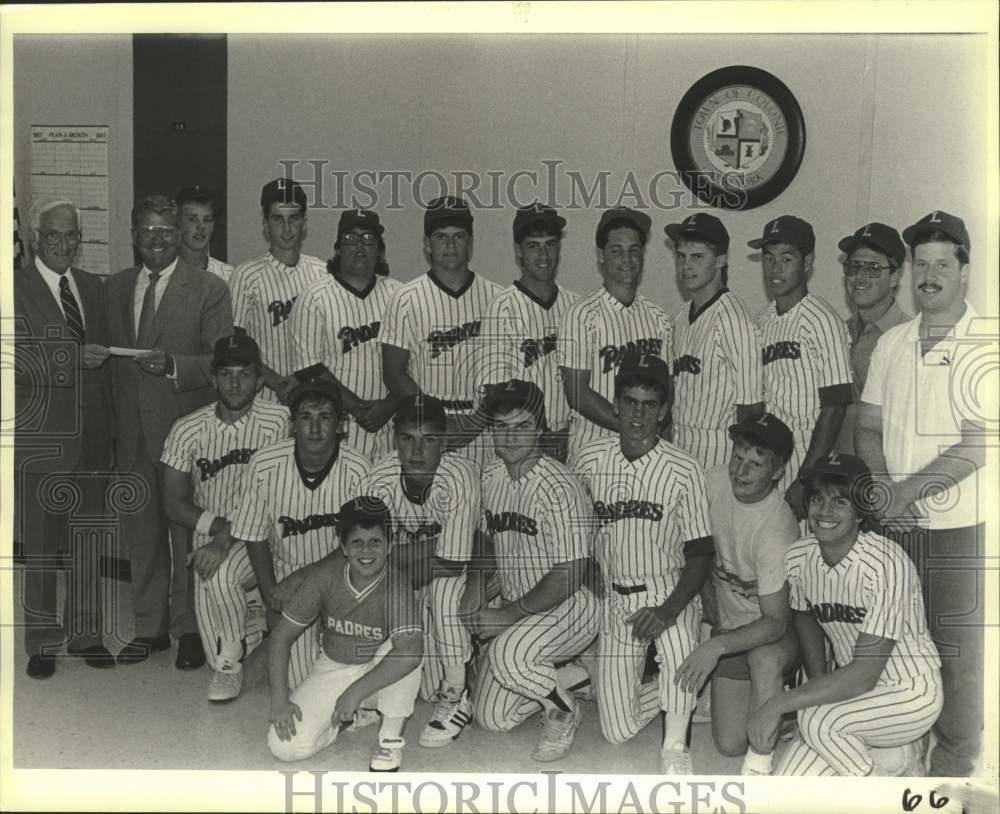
(365, 510)
(700, 225)
(644, 365)
(938, 221)
(236, 348)
(639, 220)
(515, 393)
(882, 237)
(283, 191)
(198, 194)
(838, 463)
(323, 386)
(447, 211)
(787, 229)
(359, 219)
(421, 407)
(769, 431)
(536, 214)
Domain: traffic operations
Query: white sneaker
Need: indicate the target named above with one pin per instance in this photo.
(676, 761)
(898, 761)
(362, 718)
(452, 713)
(761, 767)
(389, 755)
(225, 685)
(558, 730)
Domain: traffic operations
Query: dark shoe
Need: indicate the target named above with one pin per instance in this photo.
(140, 648)
(190, 654)
(40, 666)
(97, 655)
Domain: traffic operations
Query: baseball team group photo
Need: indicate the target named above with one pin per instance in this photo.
(696, 487)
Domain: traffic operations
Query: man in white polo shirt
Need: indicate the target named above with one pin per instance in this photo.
(919, 423)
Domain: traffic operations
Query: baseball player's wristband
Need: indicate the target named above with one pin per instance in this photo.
(700, 547)
(836, 394)
(204, 524)
(457, 405)
(627, 590)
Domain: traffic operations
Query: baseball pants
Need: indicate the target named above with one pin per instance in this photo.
(316, 698)
(625, 704)
(519, 667)
(834, 738)
(446, 639)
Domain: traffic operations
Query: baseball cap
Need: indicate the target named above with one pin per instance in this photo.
(236, 348)
(882, 237)
(537, 213)
(646, 366)
(325, 387)
(421, 407)
(838, 463)
(359, 219)
(367, 510)
(447, 211)
(767, 429)
(787, 229)
(197, 194)
(938, 221)
(702, 225)
(515, 392)
(640, 220)
(284, 191)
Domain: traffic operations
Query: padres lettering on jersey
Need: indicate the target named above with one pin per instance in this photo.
(209, 468)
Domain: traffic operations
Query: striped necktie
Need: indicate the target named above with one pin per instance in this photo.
(148, 311)
(71, 309)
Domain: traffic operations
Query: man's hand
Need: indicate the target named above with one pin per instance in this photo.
(206, 559)
(283, 717)
(763, 728)
(283, 386)
(795, 497)
(92, 356)
(898, 513)
(374, 414)
(491, 622)
(346, 707)
(648, 623)
(697, 667)
(156, 362)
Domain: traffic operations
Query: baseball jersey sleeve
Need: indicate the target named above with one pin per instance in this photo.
(307, 601)
(403, 614)
(695, 524)
(494, 356)
(244, 300)
(793, 569)
(308, 331)
(831, 360)
(397, 327)
(179, 448)
(886, 590)
(460, 509)
(252, 521)
(568, 519)
(740, 345)
(778, 534)
(573, 343)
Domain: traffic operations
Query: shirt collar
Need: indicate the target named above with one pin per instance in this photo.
(960, 328)
(893, 316)
(165, 274)
(45, 270)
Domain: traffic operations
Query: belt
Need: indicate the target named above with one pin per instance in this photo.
(625, 590)
(456, 404)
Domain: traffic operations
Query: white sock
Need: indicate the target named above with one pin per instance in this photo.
(757, 762)
(675, 731)
(454, 675)
(391, 727)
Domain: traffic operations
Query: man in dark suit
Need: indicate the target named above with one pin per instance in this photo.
(62, 442)
(174, 314)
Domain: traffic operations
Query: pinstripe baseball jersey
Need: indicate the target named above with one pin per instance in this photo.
(537, 522)
(441, 330)
(264, 291)
(716, 366)
(279, 505)
(874, 589)
(220, 269)
(450, 512)
(805, 361)
(354, 622)
(518, 340)
(596, 333)
(649, 510)
(216, 454)
(338, 326)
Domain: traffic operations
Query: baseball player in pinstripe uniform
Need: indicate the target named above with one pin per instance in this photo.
(433, 324)
(266, 287)
(599, 330)
(522, 321)
(434, 501)
(211, 448)
(336, 326)
(655, 550)
(859, 591)
(285, 516)
(806, 366)
(539, 521)
(200, 210)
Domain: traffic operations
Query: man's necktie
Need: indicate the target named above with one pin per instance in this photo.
(148, 311)
(71, 309)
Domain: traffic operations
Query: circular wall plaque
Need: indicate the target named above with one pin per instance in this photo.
(738, 137)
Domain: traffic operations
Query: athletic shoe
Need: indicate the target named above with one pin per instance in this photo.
(389, 755)
(898, 761)
(676, 761)
(761, 767)
(575, 679)
(452, 713)
(362, 718)
(225, 685)
(558, 729)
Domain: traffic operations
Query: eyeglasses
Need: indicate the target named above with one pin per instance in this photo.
(55, 238)
(871, 269)
(353, 239)
(166, 232)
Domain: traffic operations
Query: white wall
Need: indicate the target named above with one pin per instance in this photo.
(83, 80)
(894, 130)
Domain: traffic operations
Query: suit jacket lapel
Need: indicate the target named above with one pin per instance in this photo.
(41, 295)
(127, 298)
(173, 297)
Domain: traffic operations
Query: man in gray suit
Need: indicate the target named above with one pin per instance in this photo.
(62, 451)
(174, 314)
